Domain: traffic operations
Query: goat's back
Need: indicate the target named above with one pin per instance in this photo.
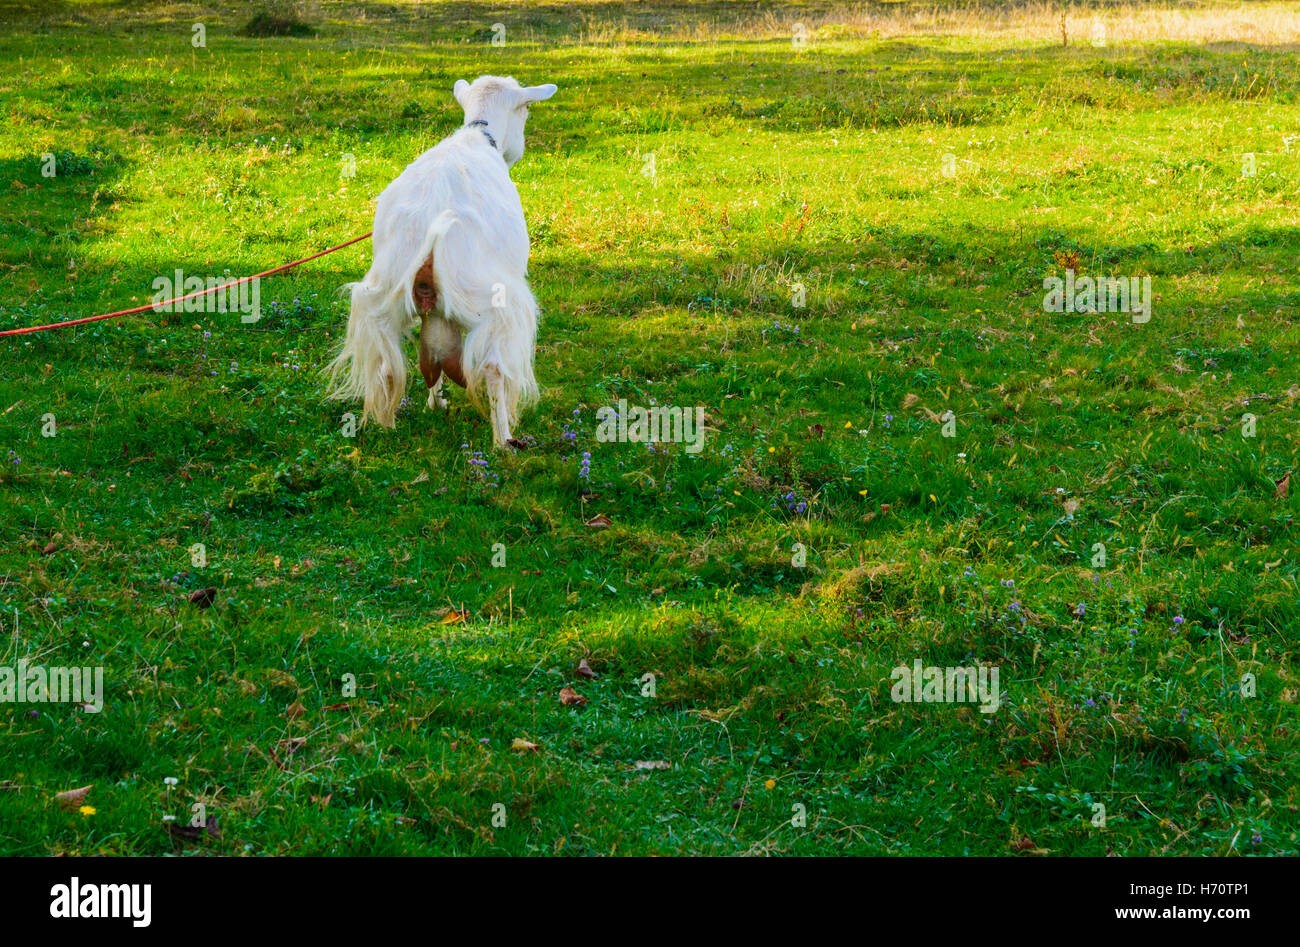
(465, 175)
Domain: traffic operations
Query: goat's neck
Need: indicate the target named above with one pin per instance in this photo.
(486, 125)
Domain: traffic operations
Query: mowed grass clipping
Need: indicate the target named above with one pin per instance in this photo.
(396, 613)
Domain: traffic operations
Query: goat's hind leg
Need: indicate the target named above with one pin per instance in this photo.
(501, 407)
(432, 373)
(424, 294)
(430, 360)
(440, 347)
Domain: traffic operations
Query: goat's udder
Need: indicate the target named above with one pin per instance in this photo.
(451, 365)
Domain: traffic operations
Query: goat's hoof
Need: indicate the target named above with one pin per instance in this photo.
(436, 403)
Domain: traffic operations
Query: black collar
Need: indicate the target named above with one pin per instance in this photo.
(486, 134)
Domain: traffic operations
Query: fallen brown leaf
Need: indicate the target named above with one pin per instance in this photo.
(523, 746)
(1027, 845)
(584, 670)
(295, 710)
(203, 598)
(191, 833)
(600, 521)
(289, 747)
(1282, 486)
(571, 698)
(73, 798)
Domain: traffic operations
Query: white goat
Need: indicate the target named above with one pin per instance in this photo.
(451, 246)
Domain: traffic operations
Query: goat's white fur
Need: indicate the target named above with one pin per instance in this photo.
(456, 204)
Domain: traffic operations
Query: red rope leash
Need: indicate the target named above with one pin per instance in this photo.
(181, 299)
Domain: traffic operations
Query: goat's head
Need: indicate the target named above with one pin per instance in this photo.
(503, 104)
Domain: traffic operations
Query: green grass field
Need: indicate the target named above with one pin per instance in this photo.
(366, 673)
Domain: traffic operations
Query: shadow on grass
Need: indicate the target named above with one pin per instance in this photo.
(43, 213)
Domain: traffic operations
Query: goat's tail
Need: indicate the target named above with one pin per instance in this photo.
(371, 365)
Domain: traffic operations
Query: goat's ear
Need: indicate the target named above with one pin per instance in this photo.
(538, 93)
(459, 90)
